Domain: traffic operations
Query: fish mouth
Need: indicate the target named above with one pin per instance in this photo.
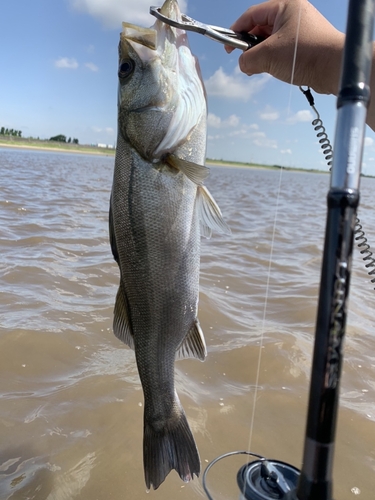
(147, 37)
(143, 36)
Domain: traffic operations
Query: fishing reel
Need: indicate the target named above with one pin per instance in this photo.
(268, 479)
(261, 479)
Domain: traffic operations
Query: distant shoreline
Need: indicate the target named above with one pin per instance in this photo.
(35, 145)
(56, 147)
(235, 164)
(231, 164)
(94, 150)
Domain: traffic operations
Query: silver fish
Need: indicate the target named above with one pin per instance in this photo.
(158, 210)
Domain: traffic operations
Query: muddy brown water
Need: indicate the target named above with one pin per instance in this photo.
(70, 398)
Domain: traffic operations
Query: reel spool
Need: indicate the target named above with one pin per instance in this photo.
(267, 480)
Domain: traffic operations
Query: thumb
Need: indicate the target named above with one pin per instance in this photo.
(255, 60)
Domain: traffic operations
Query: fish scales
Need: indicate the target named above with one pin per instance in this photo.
(158, 210)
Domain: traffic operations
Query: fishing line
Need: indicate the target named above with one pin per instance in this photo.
(272, 247)
(225, 455)
(296, 43)
(294, 56)
(265, 311)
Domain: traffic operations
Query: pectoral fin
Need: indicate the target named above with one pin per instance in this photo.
(121, 324)
(209, 214)
(112, 237)
(193, 345)
(196, 173)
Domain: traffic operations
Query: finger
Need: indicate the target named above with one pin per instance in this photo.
(228, 49)
(257, 31)
(263, 31)
(254, 61)
(245, 66)
(263, 14)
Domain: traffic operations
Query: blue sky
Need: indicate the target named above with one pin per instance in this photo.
(59, 75)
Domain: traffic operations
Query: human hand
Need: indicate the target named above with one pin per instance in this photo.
(300, 45)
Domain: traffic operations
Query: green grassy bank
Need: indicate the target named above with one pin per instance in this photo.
(19, 142)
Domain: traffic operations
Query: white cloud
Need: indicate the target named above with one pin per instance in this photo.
(99, 130)
(216, 122)
(92, 66)
(113, 12)
(246, 132)
(265, 143)
(65, 62)
(240, 132)
(232, 121)
(213, 120)
(269, 115)
(257, 135)
(304, 115)
(235, 86)
(286, 151)
(369, 141)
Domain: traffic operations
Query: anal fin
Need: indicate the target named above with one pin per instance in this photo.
(121, 323)
(193, 345)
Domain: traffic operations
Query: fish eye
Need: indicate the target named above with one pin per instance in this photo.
(126, 68)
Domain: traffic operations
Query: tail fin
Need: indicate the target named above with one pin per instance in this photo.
(171, 447)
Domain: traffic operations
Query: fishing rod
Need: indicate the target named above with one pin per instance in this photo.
(342, 202)
(265, 479)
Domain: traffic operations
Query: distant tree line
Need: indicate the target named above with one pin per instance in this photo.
(57, 138)
(10, 131)
(62, 138)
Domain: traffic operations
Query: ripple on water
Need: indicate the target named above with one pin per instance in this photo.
(70, 398)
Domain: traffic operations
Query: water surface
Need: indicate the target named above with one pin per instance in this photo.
(71, 405)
